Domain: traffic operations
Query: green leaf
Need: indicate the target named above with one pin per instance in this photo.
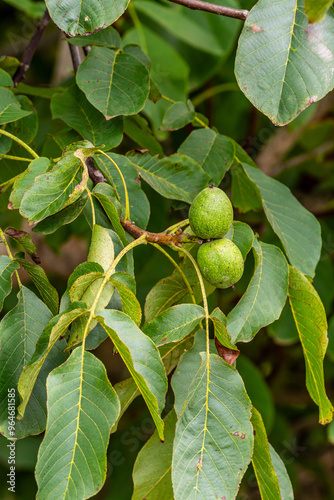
(139, 205)
(173, 20)
(65, 216)
(174, 324)
(169, 70)
(108, 37)
(5, 79)
(85, 289)
(7, 268)
(10, 109)
(296, 227)
(55, 189)
(80, 18)
(221, 331)
(116, 83)
(213, 428)
(101, 248)
(36, 167)
(48, 293)
(178, 116)
(141, 358)
(112, 213)
(310, 318)
(19, 331)
(257, 390)
(152, 469)
(245, 194)
(130, 304)
(265, 296)
(9, 64)
(74, 109)
(83, 406)
(213, 151)
(24, 239)
(173, 290)
(317, 9)
(136, 127)
(170, 176)
(32, 9)
(56, 328)
(26, 128)
(127, 390)
(261, 460)
(284, 64)
(242, 236)
(285, 485)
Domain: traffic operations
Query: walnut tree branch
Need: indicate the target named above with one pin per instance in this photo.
(163, 238)
(29, 51)
(95, 174)
(75, 56)
(213, 8)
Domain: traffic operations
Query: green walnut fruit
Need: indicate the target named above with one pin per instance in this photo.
(211, 214)
(220, 262)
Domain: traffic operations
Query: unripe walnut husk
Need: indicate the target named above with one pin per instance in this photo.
(220, 262)
(211, 214)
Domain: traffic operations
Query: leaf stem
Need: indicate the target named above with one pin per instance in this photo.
(178, 268)
(127, 204)
(205, 301)
(176, 226)
(138, 25)
(10, 157)
(10, 255)
(198, 120)
(23, 144)
(109, 272)
(92, 206)
(218, 89)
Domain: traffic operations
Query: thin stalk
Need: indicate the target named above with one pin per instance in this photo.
(10, 255)
(92, 206)
(198, 120)
(211, 92)
(165, 98)
(177, 226)
(178, 268)
(127, 203)
(10, 157)
(138, 25)
(23, 144)
(205, 301)
(109, 272)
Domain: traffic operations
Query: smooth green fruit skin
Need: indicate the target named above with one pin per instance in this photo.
(211, 214)
(220, 262)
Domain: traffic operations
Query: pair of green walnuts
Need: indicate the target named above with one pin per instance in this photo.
(210, 217)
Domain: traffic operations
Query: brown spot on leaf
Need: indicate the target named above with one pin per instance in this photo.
(256, 29)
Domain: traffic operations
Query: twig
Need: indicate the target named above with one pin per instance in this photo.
(95, 174)
(162, 238)
(213, 8)
(75, 55)
(30, 49)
